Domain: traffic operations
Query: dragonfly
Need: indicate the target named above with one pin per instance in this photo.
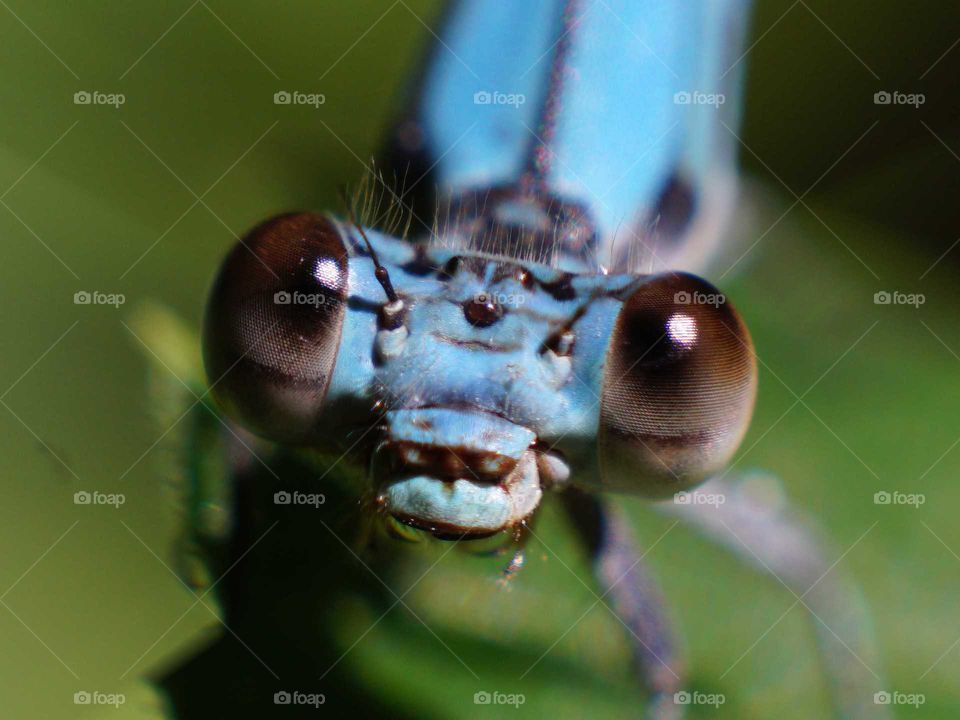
(536, 329)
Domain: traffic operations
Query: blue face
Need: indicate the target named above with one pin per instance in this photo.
(487, 380)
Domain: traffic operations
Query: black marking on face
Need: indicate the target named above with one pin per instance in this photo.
(450, 268)
(561, 341)
(476, 344)
(482, 311)
(562, 288)
(512, 271)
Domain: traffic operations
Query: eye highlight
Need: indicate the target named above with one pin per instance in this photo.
(678, 389)
(273, 325)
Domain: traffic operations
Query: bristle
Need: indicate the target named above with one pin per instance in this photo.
(378, 202)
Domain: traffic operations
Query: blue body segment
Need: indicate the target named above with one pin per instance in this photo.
(642, 98)
(481, 139)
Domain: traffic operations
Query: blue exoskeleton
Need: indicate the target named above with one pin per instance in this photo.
(538, 329)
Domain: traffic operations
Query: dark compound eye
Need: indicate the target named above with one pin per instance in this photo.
(678, 389)
(273, 324)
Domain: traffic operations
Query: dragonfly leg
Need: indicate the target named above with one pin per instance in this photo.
(626, 585)
(754, 521)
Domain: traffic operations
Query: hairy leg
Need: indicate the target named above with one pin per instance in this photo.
(751, 518)
(633, 595)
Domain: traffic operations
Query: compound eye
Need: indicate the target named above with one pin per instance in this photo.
(273, 325)
(678, 389)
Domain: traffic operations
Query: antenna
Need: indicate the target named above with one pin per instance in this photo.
(392, 311)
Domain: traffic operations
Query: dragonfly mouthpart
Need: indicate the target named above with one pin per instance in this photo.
(457, 472)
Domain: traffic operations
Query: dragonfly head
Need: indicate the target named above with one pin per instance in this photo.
(491, 381)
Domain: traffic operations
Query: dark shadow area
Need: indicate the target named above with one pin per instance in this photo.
(280, 600)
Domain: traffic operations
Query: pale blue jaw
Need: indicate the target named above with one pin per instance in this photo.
(463, 506)
(458, 471)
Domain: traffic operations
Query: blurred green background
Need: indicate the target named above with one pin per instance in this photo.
(144, 200)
